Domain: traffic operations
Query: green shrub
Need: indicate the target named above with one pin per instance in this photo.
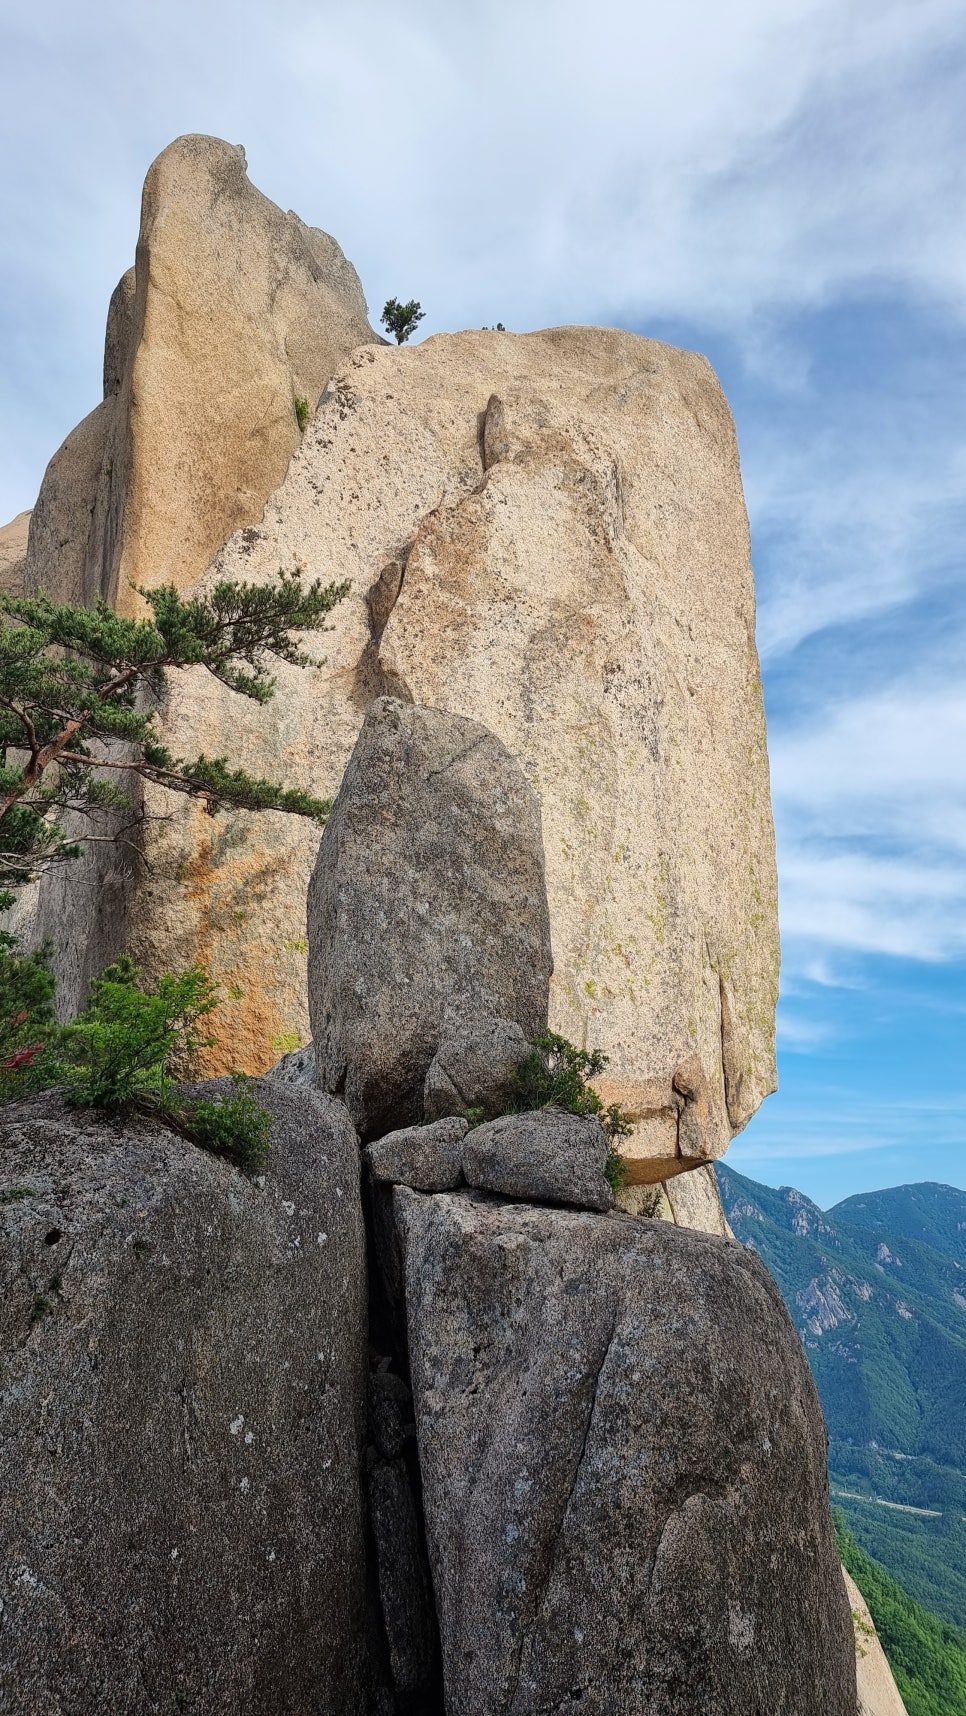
(555, 1075)
(29, 1033)
(234, 1126)
(130, 1044)
(303, 412)
(126, 1052)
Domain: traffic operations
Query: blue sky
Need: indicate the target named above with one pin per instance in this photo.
(779, 184)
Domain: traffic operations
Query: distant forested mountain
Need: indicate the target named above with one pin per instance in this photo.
(933, 1214)
(882, 1314)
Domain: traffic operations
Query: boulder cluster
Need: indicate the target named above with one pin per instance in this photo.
(421, 1418)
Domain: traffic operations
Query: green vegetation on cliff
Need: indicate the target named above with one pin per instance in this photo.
(79, 694)
(882, 1315)
(927, 1656)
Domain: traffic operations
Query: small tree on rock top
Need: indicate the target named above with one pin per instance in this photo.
(401, 320)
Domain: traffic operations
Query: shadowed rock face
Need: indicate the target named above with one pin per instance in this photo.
(428, 895)
(183, 1355)
(623, 1469)
(233, 311)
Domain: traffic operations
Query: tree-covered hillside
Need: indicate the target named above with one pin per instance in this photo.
(934, 1214)
(883, 1320)
(926, 1655)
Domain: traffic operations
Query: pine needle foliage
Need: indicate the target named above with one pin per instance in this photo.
(79, 694)
(401, 320)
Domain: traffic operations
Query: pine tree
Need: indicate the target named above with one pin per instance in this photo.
(79, 692)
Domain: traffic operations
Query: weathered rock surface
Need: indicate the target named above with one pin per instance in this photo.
(579, 581)
(297, 1067)
(878, 1692)
(183, 1385)
(594, 1393)
(428, 895)
(695, 1201)
(428, 1158)
(548, 1157)
(234, 311)
(13, 554)
(475, 1066)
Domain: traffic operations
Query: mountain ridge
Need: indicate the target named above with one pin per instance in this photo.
(882, 1317)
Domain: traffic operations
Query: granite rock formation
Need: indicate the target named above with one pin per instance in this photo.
(13, 555)
(183, 1363)
(545, 534)
(232, 313)
(600, 1396)
(547, 1157)
(428, 895)
(877, 1691)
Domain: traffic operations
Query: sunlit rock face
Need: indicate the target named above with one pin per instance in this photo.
(546, 534)
(232, 314)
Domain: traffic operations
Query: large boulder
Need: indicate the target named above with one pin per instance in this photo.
(623, 1469)
(428, 896)
(183, 1380)
(547, 1157)
(233, 313)
(544, 533)
(13, 554)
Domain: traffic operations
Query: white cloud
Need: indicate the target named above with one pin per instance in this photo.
(871, 809)
(531, 164)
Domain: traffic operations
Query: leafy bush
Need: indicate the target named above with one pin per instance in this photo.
(302, 413)
(125, 1053)
(28, 1030)
(555, 1074)
(234, 1126)
(130, 1044)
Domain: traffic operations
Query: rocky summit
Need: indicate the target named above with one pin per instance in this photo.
(464, 1400)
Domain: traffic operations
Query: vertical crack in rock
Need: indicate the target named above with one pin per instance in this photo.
(527, 1634)
(371, 679)
(406, 1676)
(734, 1058)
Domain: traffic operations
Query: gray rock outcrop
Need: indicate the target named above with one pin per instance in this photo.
(474, 1067)
(428, 895)
(428, 1158)
(623, 1470)
(547, 1157)
(183, 1417)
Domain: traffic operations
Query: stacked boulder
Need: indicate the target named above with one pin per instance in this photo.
(608, 1467)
